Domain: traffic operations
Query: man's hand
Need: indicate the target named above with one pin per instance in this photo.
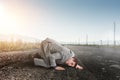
(79, 67)
(59, 68)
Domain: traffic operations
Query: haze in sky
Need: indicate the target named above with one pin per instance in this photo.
(62, 20)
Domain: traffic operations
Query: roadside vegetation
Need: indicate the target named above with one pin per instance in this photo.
(6, 46)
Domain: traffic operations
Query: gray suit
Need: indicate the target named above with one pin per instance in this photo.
(52, 53)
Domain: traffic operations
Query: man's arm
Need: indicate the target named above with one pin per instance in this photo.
(39, 62)
(52, 61)
(53, 58)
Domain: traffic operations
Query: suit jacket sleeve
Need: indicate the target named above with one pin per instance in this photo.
(53, 58)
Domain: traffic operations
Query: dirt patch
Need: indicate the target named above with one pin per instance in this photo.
(27, 71)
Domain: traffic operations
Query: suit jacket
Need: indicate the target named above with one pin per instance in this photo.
(54, 53)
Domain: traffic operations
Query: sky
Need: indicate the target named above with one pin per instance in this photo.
(62, 20)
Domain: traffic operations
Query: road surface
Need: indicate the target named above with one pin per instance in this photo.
(100, 63)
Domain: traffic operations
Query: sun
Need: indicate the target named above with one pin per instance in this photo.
(8, 23)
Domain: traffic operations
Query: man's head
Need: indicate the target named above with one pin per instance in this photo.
(72, 62)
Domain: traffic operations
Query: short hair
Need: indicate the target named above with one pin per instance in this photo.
(76, 61)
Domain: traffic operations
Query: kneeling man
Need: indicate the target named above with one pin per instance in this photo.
(52, 53)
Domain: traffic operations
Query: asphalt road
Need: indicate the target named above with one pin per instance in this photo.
(100, 63)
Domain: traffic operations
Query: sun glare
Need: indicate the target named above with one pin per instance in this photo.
(7, 21)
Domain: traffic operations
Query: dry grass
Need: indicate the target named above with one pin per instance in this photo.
(6, 46)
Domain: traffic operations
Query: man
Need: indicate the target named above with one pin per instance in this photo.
(52, 53)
